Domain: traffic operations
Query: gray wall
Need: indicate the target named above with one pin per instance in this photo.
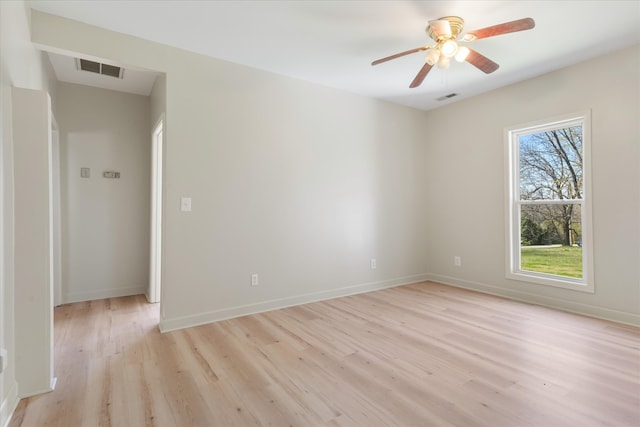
(105, 222)
(298, 183)
(467, 195)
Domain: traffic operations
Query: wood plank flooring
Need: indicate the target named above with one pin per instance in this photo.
(417, 355)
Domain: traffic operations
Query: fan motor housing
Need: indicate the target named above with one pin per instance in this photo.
(455, 22)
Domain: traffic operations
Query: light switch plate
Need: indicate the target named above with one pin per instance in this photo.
(185, 204)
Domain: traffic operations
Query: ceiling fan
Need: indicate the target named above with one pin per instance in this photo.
(444, 32)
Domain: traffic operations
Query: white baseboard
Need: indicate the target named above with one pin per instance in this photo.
(563, 305)
(49, 389)
(167, 325)
(102, 294)
(9, 404)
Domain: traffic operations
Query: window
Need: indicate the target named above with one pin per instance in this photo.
(548, 203)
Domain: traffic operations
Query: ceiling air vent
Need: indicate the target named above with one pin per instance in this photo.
(442, 98)
(98, 68)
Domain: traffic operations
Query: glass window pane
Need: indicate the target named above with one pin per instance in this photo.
(551, 164)
(551, 239)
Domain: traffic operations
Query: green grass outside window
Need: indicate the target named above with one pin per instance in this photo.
(558, 260)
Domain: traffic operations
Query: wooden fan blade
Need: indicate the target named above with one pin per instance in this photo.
(507, 27)
(421, 75)
(398, 55)
(481, 62)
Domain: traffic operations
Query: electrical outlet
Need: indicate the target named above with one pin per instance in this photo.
(374, 264)
(457, 261)
(254, 279)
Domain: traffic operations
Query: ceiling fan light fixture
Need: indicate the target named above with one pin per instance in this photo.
(462, 53)
(449, 48)
(444, 62)
(432, 56)
(444, 32)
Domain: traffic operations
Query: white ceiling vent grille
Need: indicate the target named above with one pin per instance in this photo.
(98, 68)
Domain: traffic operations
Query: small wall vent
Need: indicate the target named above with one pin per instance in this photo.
(442, 98)
(98, 68)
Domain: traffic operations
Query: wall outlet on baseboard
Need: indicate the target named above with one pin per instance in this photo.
(457, 261)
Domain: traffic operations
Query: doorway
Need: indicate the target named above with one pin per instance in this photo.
(155, 264)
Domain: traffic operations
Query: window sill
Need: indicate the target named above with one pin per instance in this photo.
(551, 280)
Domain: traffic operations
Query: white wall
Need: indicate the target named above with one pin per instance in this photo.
(105, 222)
(33, 268)
(298, 183)
(21, 65)
(465, 183)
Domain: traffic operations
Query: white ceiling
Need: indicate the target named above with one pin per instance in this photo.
(332, 43)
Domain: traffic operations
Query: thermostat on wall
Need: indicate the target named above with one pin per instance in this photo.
(111, 174)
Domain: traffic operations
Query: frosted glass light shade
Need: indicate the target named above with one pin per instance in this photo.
(449, 48)
(462, 54)
(432, 56)
(444, 62)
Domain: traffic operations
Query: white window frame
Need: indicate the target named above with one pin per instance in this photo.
(513, 203)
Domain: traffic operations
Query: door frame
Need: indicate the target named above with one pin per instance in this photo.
(155, 253)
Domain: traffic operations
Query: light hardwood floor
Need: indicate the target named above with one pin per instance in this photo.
(415, 355)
